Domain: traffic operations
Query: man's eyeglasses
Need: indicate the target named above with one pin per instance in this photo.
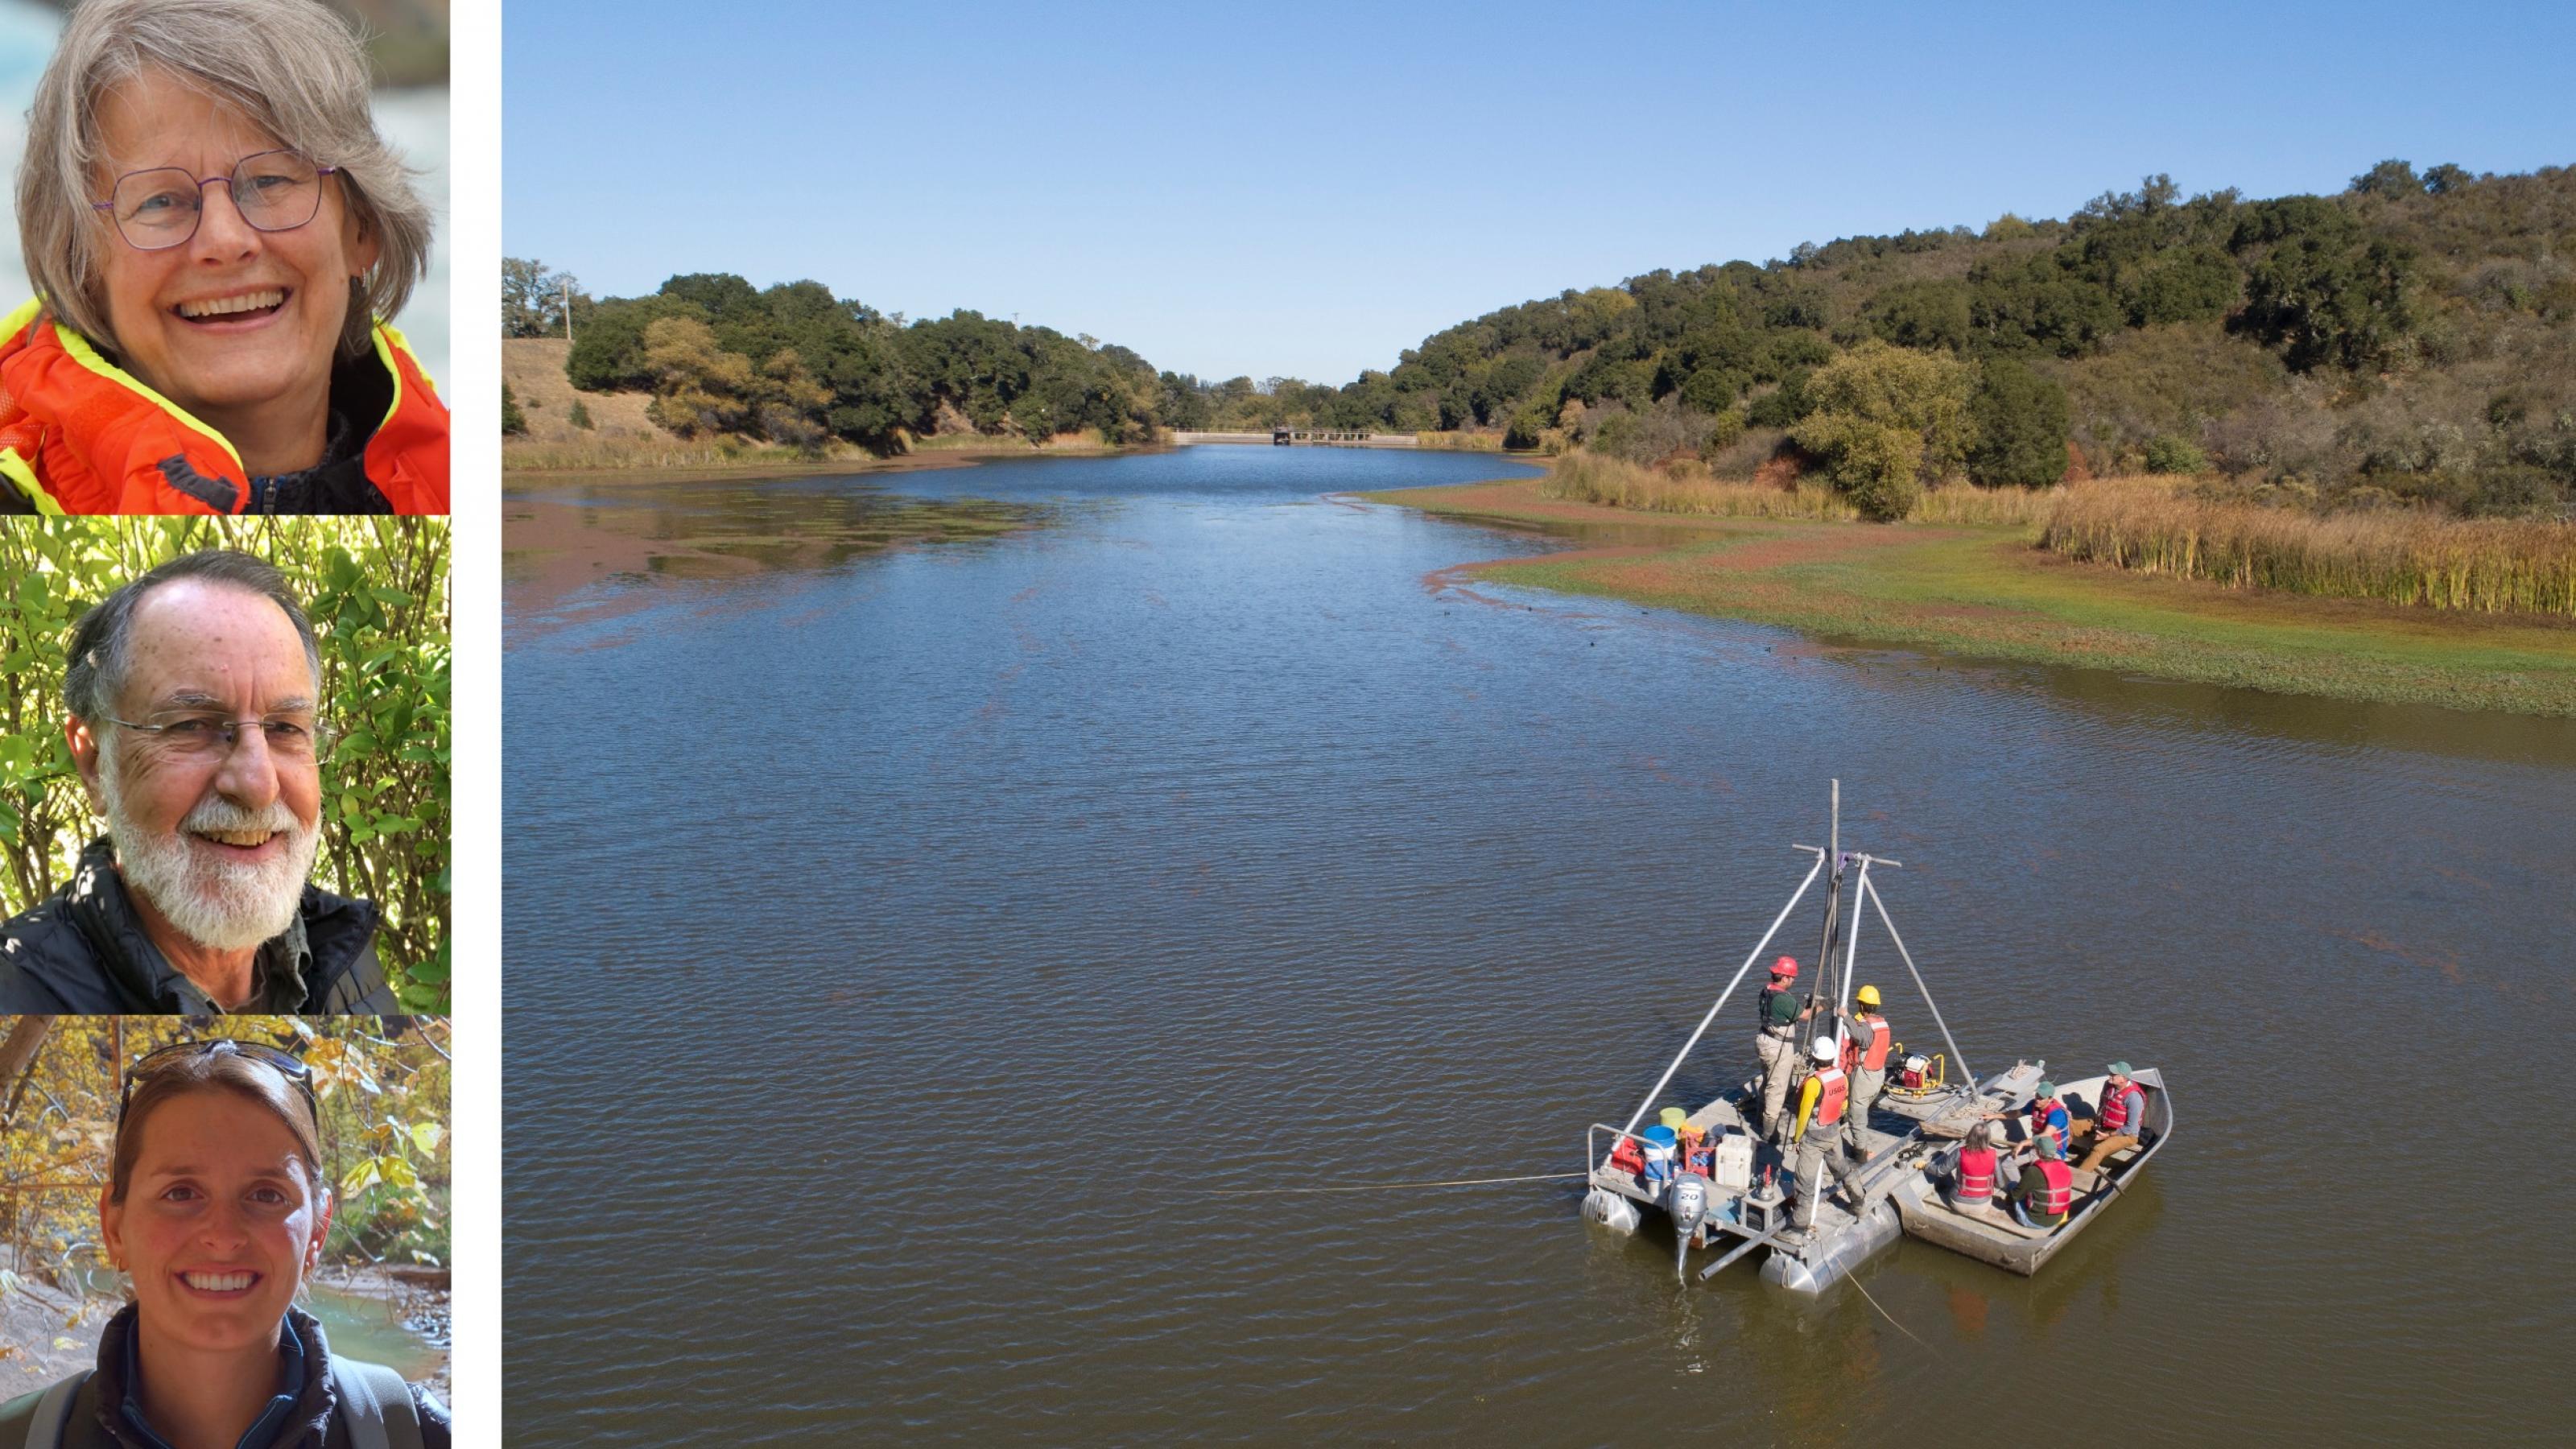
(198, 735)
(160, 208)
(286, 1065)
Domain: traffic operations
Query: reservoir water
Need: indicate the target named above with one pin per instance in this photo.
(924, 917)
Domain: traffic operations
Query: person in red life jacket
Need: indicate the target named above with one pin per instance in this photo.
(2047, 1188)
(2124, 1112)
(1777, 1014)
(1865, 1058)
(2047, 1117)
(1971, 1188)
(1815, 1130)
(216, 233)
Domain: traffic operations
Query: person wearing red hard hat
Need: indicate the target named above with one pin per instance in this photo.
(1776, 1016)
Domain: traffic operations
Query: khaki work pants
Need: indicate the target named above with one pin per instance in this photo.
(2103, 1147)
(1811, 1157)
(1779, 1061)
(1865, 1087)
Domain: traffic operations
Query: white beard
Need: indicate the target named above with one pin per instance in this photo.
(217, 904)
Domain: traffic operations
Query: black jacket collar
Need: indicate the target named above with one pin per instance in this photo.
(84, 949)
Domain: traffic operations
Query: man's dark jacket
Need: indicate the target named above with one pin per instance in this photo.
(83, 951)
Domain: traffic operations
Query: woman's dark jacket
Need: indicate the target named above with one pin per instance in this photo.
(107, 1413)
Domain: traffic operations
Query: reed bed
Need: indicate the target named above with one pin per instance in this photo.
(1592, 478)
(2488, 566)
(1614, 483)
(1966, 503)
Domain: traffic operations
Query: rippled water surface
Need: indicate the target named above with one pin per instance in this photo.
(907, 942)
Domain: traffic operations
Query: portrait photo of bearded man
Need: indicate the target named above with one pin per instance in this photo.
(194, 720)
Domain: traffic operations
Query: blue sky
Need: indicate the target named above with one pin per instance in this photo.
(1306, 190)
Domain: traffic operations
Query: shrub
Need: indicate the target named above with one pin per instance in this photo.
(1887, 420)
(2169, 454)
(2019, 419)
(580, 415)
(513, 421)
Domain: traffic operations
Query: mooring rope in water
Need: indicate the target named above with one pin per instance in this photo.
(1377, 1186)
(1890, 1317)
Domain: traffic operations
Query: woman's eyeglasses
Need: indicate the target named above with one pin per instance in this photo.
(286, 1065)
(160, 208)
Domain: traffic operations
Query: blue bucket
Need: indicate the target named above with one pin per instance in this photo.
(1660, 1146)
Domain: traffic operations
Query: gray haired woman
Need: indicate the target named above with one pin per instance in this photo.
(216, 234)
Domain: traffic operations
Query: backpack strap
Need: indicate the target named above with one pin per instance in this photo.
(376, 1406)
(54, 1413)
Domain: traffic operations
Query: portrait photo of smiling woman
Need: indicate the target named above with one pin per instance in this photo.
(233, 1243)
(218, 237)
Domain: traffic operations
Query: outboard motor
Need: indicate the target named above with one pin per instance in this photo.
(1687, 1201)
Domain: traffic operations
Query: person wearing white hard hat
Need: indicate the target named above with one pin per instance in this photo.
(1815, 1131)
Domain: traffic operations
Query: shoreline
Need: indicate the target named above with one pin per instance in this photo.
(1984, 593)
(768, 470)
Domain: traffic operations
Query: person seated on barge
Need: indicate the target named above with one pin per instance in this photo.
(2047, 1117)
(1971, 1188)
(2047, 1188)
(2124, 1112)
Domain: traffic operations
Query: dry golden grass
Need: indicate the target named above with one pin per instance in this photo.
(641, 454)
(2491, 566)
(1687, 488)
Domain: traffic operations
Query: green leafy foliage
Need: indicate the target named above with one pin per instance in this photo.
(382, 1085)
(793, 364)
(2019, 421)
(376, 590)
(512, 419)
(1885, 421)
(2169, 454)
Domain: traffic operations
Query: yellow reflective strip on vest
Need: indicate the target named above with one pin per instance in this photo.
(386, 333)
(16, 470)
(17, 321)
(88, 356)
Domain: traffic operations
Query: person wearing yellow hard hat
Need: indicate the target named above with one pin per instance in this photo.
(1865, 1047)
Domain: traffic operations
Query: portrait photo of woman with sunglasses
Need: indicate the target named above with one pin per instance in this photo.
(215, 1215)
(218, 237)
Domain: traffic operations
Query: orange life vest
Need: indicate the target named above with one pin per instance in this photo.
(1831, 1090)
(1976, 1173)
(1875, 1059)
(78, 434)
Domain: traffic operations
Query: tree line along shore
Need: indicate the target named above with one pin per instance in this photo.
(2369, 396)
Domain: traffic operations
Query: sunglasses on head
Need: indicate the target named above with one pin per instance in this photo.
(284, 1063)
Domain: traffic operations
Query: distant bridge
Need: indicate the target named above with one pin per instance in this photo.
(1305, 437)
